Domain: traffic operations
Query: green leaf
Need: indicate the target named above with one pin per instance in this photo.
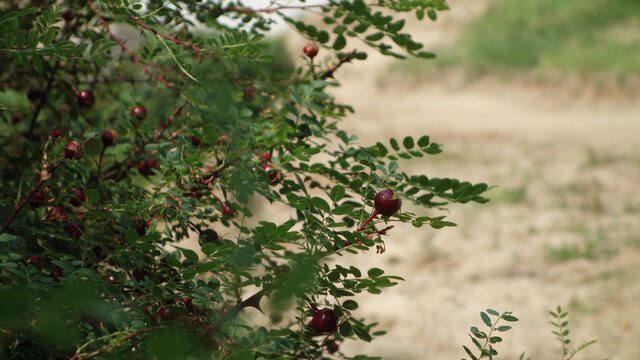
(346, 329)
(485, 318)
(350, 305)
(509, 318)
(423, 141)
(92, 195)
(394, 144)
(131, 236)
(17, 14)
(337, 193)
(339, 43)
(321, 204)
(208, 248)
(190, 255)
(374, 37)
(375, 272)
(408, 142)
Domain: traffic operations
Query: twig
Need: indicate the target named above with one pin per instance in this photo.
(43, 100)
(195, 48)
(125, 48)
(105, 348)
(332, 69)
(283, 7)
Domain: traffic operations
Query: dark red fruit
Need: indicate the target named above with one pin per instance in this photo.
(147, 166)
(139, 274)
(141, 227)
(57, 133)
(311, 49)
(109, 137)
(110, 279)
(164, 314)
(79, 198)
(223, 139)
(274, 175)
(228, 211)
(249, 93)
(208, 236)
(34, 260)
(188, 303)
(71, 150)
(332, 346)
(139, 112)
(386, 203)
(266, 157)
(37, 199)
(68, 15)
(85, 98)
(74, 229)
(55, 273)
(324, 321)
(16, 118)
(195, 141)
(34, 94)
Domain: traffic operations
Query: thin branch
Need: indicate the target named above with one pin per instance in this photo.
(195, 48)
(105, 348)
(125, 48)
(333, 68)
(43, 100)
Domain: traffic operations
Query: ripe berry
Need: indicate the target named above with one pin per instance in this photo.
(68, 15)
(109, 137)
(249, 93)
(74, 229)
(332, 346)
(55, 273)
(266, 157)
(311, 49)
(274, 175)
(223, 139)
(16, 118)
(195, 140)
(57, 133)
(164, 314)
(208, 236)
(228, 211)
(139, 112)
(188, 303)
(71, 150)
(85, 98)
(324, 321)
(147, 166)
(37, 199)
(34, 260)
(110, 279)
(386, 203)
(79, 198)
(34, 94)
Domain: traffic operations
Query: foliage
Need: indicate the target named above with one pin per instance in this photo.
(561, 324)
(484, 341)
(127, 149)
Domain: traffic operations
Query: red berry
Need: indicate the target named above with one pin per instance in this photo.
(139, 274)
(55, 273)
(266, 157)
(68, 15)
(34, 260)
(148, 165)
(34, 94)
(188, 303)
(249, 93)
(228, 211)
(139, 112)
(332, 346)
(109, 137)
(79, 198)
(311, 49)
(110, 279)
(74, 229)
(195, 140)
(324, 321)
(57, 133)
(16, 118)
(85, 98)
(387, 203)
(37, 199)
(71, 150)
(274, 175)
(223, 139)
(164, 313)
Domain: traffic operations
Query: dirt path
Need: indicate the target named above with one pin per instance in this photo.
(563, 227)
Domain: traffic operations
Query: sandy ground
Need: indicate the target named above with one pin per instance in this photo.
(562, 227)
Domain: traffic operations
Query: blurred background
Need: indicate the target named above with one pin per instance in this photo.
(537, 97)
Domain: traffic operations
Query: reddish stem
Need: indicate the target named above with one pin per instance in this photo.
(364, 224)
(195, 48)
(124, 46)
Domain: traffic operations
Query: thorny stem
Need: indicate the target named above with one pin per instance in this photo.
(195, 48)
(332, 69)
(364, 224)
(125, 48)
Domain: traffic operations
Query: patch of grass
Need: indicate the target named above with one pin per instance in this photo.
(510, 196)
(590, 247)
(548, 36)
